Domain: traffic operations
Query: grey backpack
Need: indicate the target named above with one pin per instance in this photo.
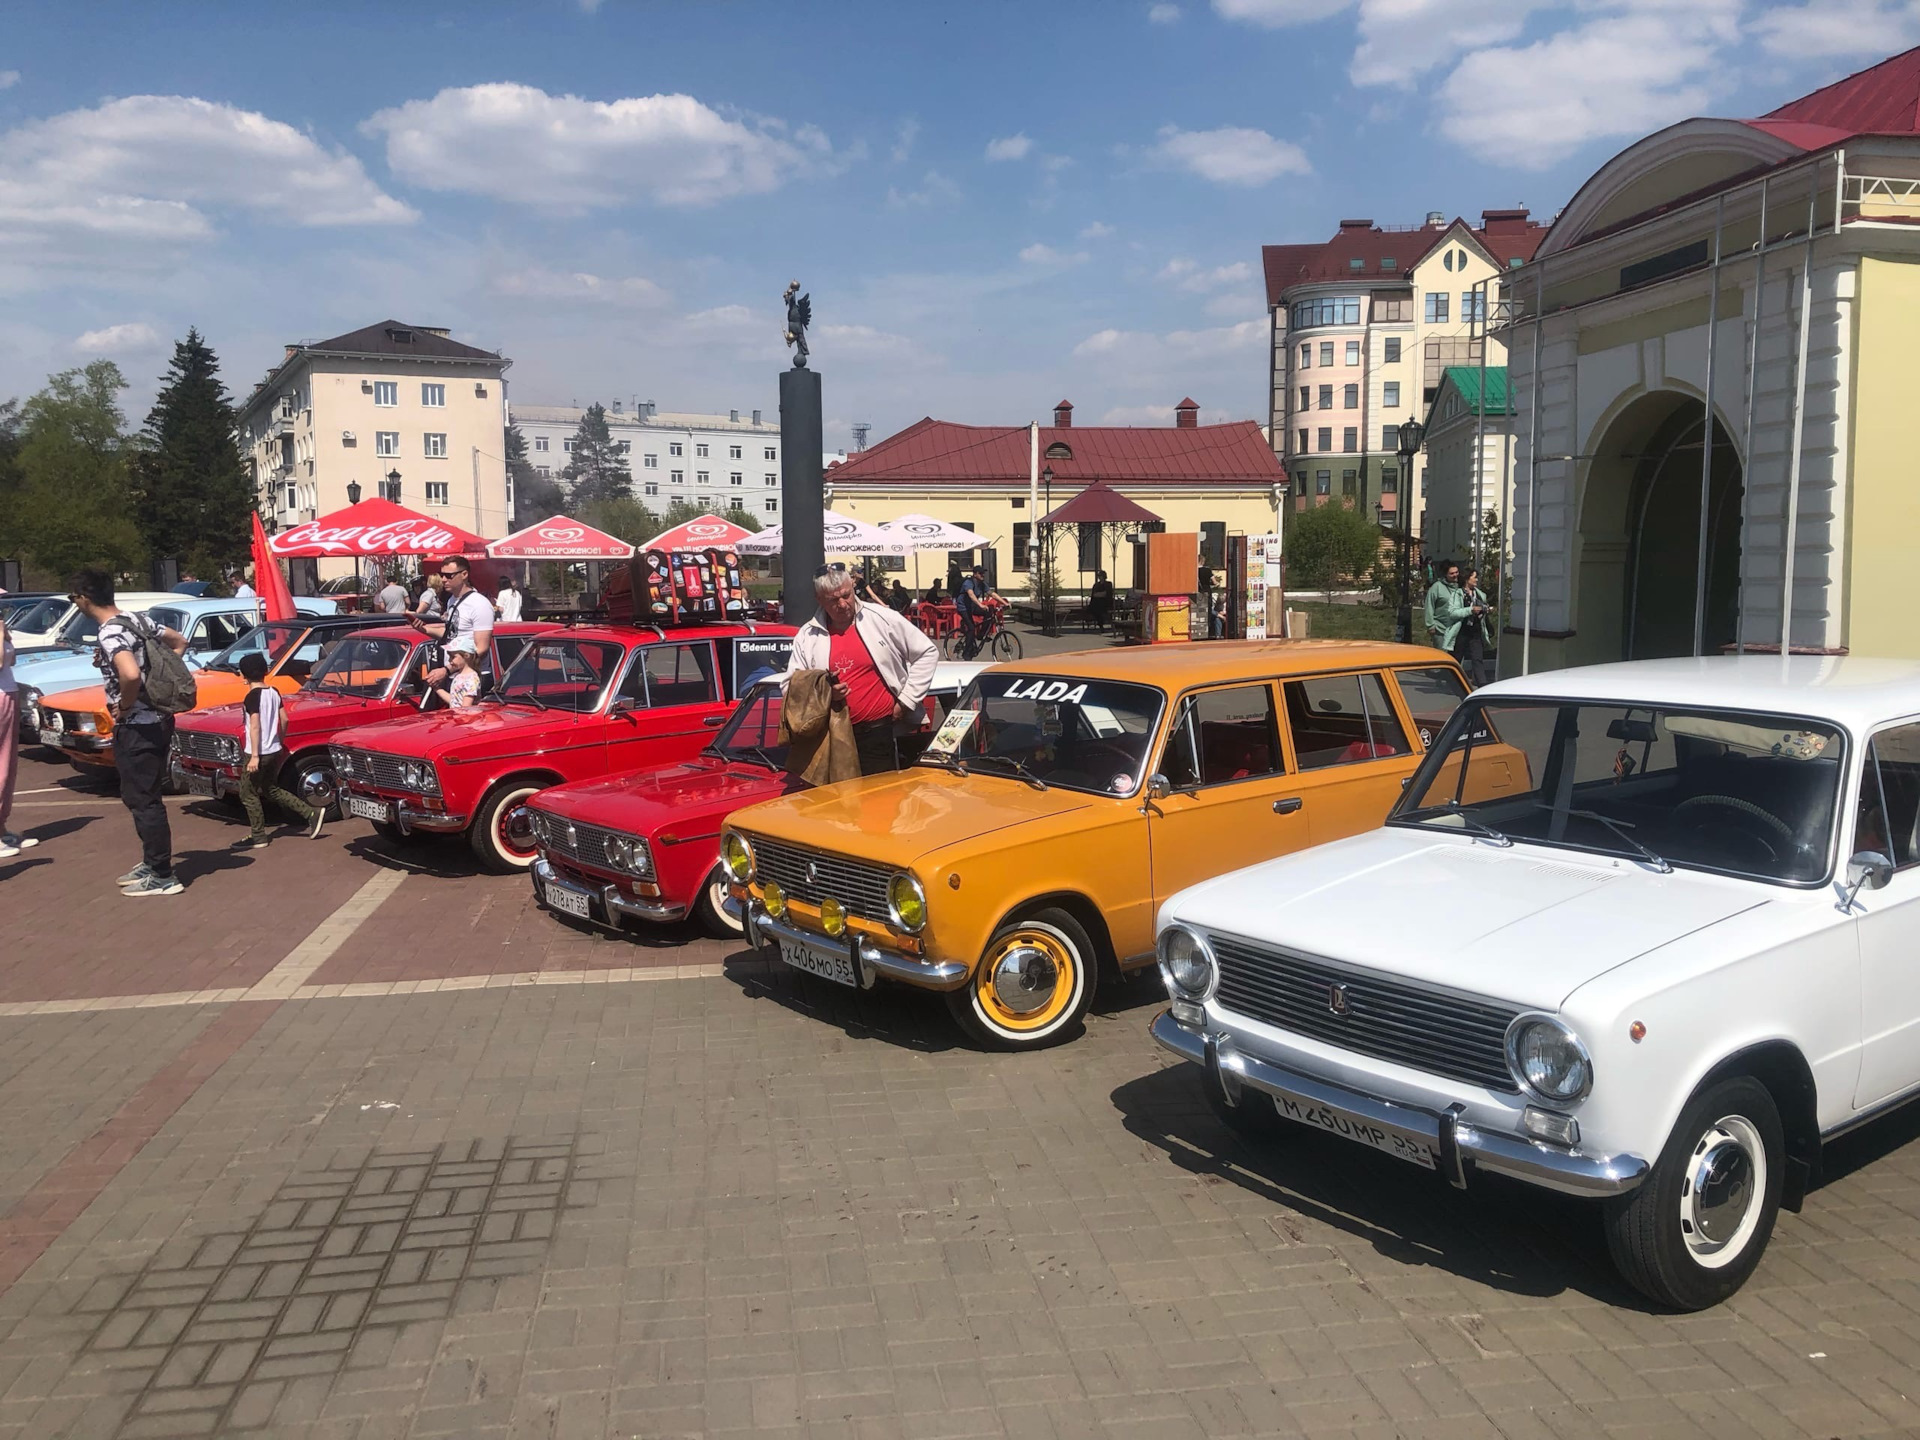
(166, 685)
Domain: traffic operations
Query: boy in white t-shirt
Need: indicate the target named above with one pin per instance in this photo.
(265, 751)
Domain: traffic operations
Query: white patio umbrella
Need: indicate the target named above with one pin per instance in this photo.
(923, 532)
(843, 535)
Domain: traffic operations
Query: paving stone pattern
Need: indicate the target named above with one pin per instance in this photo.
(337, 1258)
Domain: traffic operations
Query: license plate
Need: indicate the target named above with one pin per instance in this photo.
(569, 901)
(367, 809)
(1389, 1141)
(194, 784)
(828, 966)
(52, 737)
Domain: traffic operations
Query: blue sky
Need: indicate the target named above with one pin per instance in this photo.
(993, 205)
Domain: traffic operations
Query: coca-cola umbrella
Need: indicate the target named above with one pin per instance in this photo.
(558, 538)
(373, 529)
(707, 532)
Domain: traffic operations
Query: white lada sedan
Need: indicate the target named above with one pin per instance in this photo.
(1648, 933)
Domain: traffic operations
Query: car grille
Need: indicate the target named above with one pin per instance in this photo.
(199, 745)
(1426, 1030)
(370, 767)
(861, 887)
(585, 844)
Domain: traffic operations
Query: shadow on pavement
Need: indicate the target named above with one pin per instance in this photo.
(643, 935)
(54, 829)
(1118, 995)
(192, 865)
(1869, 1144)
(11, 868)
(894, 1014)
(1510, 1237)
(445, 857)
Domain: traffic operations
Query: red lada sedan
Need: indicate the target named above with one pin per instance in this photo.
(575, 705)
(646, 846)
(362, 677)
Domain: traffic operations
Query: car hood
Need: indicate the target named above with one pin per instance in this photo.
(303, 713)
(1526, 924)
(438, 732)
(899, 818)
(673, 801)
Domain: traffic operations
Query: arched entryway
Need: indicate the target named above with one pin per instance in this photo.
(1640, 535)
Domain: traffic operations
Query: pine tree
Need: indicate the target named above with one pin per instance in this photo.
(193, 492)
(69, 505)
(535, 497)
(597, 471)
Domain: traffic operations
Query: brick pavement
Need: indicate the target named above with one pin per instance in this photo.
(753, 1204)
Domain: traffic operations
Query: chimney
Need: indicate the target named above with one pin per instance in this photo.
(733, 417)
(1346, 225)
(1435, 219)
(292, 350)
(650, 408)
(1503, 222)
(616, 407)
(1063, 415)
(1186, 415)
(756, 417)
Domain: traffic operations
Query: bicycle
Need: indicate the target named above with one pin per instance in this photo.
(997, 642)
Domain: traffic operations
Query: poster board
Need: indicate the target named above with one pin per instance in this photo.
(1264, 588)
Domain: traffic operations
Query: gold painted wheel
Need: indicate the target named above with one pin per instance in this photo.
(1032, 986)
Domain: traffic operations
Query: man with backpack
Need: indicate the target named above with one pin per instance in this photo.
(147, 684)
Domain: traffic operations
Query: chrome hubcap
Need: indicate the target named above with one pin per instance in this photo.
(1024, 979)
(317, 787)
(1726, 1176)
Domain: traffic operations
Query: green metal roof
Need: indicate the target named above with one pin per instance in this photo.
(1466, 379)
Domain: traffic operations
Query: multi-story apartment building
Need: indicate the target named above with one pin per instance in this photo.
(713, 461)
(1364, 326)
(403, 411)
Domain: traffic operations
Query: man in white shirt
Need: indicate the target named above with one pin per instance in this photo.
(507, 603)
(244, 591)
(469, 620)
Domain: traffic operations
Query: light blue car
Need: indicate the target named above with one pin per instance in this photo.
(209, 625)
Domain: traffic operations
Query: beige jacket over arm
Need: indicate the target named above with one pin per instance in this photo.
(901, 653)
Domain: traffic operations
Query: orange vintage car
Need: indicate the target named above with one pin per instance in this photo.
(79, 723)
(1063, 800)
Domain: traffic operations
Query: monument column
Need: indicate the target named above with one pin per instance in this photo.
(801, 449)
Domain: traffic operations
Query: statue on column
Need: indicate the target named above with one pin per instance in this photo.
(799, 316)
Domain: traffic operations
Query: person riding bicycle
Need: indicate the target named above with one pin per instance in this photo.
(974, 601)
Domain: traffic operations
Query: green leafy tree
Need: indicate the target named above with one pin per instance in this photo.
(678, 513)
(739, 515)
(535, 497)
(1330, 545)
(623, 517)
(69, 504)
(193, 493)
(598, 471)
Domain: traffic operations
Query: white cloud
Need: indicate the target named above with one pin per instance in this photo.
(154, 170)
(935, 189)
(1038, 254)
(1144, 347)
(1164, 14)
(1401, 40)
(1822, 29)
(1635, 66)
(1011, 147)
(536, 283)
(1098, 230)
(118, 339)
(9, 79)
(903, 139)
(1229, 155)
(1101, 342)
(1199, 280)
(1273, 14)
(518, 143)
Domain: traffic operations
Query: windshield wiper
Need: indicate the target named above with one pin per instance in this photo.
(1019, 768)
(1620, 828)
(1473, 822)
(746, 752)
(945, 762)
(530, 699)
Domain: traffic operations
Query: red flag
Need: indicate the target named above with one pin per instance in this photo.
(270, 584)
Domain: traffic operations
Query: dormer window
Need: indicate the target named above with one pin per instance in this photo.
(1389, 262)
(1356, 263)
(1059, 450)
(400, 337)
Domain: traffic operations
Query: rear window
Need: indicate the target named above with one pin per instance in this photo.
(1342, 720)
(1432, 695)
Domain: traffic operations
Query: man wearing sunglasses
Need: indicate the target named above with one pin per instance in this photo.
(467, 625)
(880, 662)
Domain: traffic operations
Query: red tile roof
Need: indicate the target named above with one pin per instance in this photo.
(1881, 100)
(941, 452)
(1505, 235)
(1100, 504)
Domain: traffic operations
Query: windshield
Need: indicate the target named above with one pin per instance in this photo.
(171, 618)
(752, 732)
(33, 616)
(1078, 734)
(273, 639)
(1722, 790)
(361, 666)
(562, 674)
(79, 629)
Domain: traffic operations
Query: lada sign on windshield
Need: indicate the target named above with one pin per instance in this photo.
(1061, 800)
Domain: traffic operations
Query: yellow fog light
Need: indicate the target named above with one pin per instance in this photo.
(774, 898)
(833, 916)
(738, 859)
(908, 902)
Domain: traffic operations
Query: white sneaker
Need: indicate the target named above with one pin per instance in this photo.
(11, 844)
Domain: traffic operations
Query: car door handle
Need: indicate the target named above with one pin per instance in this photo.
(1288, 806)
(714, 722)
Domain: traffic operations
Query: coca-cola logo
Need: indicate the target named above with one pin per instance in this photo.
(418, 536)
(561, 534)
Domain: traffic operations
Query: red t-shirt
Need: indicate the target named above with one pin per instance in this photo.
(867, 695)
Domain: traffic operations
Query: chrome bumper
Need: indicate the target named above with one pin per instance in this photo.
(869, 960)
(1458, 1144)
(658, 911)
(407, 817)
(203, 782)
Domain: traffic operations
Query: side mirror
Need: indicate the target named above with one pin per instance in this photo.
(1868, 869)
(623, 705)
(1158, 788)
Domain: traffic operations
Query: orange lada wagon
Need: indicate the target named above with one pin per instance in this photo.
(1063, 800)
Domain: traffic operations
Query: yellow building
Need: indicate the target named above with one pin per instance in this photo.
(1790, 241)
(1214, 480)
(1363, 327)
(403, 411)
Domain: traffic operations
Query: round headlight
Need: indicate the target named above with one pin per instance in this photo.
(619, 852)
(737, 856)
(833, 916)
(908, 902)
(1186, 962)
(1548, 1059)
(774, 898)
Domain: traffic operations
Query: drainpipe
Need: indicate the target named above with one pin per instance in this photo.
(1746, 442)
(1533, 477)
(1792, 537)
(1033, 508)
(1706, 447)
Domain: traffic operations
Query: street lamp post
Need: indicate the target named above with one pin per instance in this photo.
(1049, 600)
(393, 486)
(1412, 433)
(353, 492)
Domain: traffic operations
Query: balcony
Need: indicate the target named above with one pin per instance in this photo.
(281, 424)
